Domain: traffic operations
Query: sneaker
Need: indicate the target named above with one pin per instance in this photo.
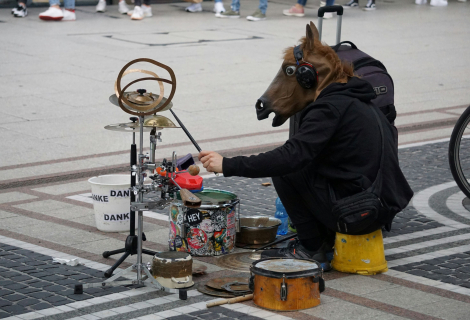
(195, 7)
(419, 2)
(137, 13)
(69, 15)
(52, 14)
(219, 7)
(101, 6)
(16, 9)
(123, 8)
(294, 11)
(438, 3)
(228, 14)
(351, 4)
(370, 6)
(296, 250)
(257, 16)
(21, 13)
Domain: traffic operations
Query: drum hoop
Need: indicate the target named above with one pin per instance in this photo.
(173, 259)
(228, 203)
(288, 275)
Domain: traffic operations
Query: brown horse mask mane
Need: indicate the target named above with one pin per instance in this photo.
(284, 96)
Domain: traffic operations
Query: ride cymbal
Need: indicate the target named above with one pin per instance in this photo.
(133, 96)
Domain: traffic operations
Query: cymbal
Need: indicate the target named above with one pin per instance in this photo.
(158, 121)
(240, 261)
(145, 99)
(213, 292)
(129, 127)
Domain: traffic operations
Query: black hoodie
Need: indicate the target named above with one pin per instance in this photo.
(339, 135)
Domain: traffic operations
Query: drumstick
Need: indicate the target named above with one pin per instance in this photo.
(230, 301)
(188, 134)
(276, 242)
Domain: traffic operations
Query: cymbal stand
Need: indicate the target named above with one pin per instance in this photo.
(143, 275)
(130, 245)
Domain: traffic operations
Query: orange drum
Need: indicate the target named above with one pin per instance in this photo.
(284, 284)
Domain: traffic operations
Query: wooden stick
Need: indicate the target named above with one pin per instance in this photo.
(230, 301)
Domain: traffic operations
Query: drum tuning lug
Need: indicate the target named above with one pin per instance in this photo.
(283, 288)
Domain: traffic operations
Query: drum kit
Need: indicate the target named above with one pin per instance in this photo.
(202, 222)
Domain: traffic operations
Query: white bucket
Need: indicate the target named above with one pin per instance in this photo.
(111, 201)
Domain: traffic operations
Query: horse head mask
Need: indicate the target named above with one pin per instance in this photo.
(306, 70)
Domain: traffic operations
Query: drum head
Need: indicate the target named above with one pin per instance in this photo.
(173, 255)
(214, 197)
(291, 268)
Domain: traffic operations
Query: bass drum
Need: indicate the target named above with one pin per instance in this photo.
(284, 284)
(209, 230)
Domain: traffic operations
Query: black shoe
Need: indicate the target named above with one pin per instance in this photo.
(21, 13)
(296, 250)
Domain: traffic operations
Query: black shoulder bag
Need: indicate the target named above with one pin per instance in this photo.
(355, 213)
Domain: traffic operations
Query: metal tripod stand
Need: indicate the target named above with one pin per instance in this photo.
(143, 275)
(130, 246)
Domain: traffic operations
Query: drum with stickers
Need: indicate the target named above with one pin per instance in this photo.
(208, 230)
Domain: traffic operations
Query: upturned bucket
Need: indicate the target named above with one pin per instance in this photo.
(361, 254)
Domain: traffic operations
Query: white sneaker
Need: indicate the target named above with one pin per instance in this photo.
(137, 13)
(147, 11)
(123, 8)
(438, 3)
(219, 7)
(195, 7)
(69, 15)
(419, 2)
(52, 14)
(101, 6)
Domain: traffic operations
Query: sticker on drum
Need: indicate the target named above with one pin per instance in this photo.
(174, 212)
(218, 220)
(196, 238)
(194, 217)
(231, 220)
(207, 227)
(175, 230)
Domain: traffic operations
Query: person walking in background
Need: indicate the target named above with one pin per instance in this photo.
(435, 3)
(196, 6)
(234, 12)
(355, 4)
(140, 11)
(299, 8)
(122, 7)
(20, 10)
(54, 13)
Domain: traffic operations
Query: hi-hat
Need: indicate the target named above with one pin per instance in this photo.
(240, 261)
(159, 122)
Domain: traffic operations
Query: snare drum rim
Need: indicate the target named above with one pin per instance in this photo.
(221, 204)
(288, 275)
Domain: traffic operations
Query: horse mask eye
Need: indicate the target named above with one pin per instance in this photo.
(290, 70)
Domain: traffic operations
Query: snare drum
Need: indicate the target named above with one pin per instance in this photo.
(208, 230)
(173, 269)
(286, 284)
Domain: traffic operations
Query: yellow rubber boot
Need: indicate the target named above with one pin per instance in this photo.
(362, 254)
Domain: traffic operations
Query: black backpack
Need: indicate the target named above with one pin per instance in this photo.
(374, 72)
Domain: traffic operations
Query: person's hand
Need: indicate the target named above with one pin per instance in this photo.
(211, 160)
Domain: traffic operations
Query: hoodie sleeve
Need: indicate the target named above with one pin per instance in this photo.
(318, 125)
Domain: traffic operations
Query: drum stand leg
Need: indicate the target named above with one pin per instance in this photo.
(130, 247)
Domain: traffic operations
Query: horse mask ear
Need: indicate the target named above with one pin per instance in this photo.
(311, 35)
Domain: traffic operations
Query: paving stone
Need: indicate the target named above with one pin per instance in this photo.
(182, 317)
(15, 309)
(28, 302)
(40, 284)
(28, 290)
(21, 278)
(79, 297)
(54, 288)
(4, 302)
(14, 297)
(41, 294)
(5, 292)
(16, 286)
(4, 315)
(40, 306)
(53, 299)
(53, 277)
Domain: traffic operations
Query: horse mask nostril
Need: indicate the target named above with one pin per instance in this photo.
(259, 105)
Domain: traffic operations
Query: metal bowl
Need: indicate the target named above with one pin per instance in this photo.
(257, 230)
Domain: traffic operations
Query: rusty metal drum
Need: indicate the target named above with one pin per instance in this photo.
(209, 230)
(285, 284)
(173, 269)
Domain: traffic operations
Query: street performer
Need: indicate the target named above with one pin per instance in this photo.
(334, 151)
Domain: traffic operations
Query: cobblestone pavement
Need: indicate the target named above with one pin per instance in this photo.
(428, 254)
